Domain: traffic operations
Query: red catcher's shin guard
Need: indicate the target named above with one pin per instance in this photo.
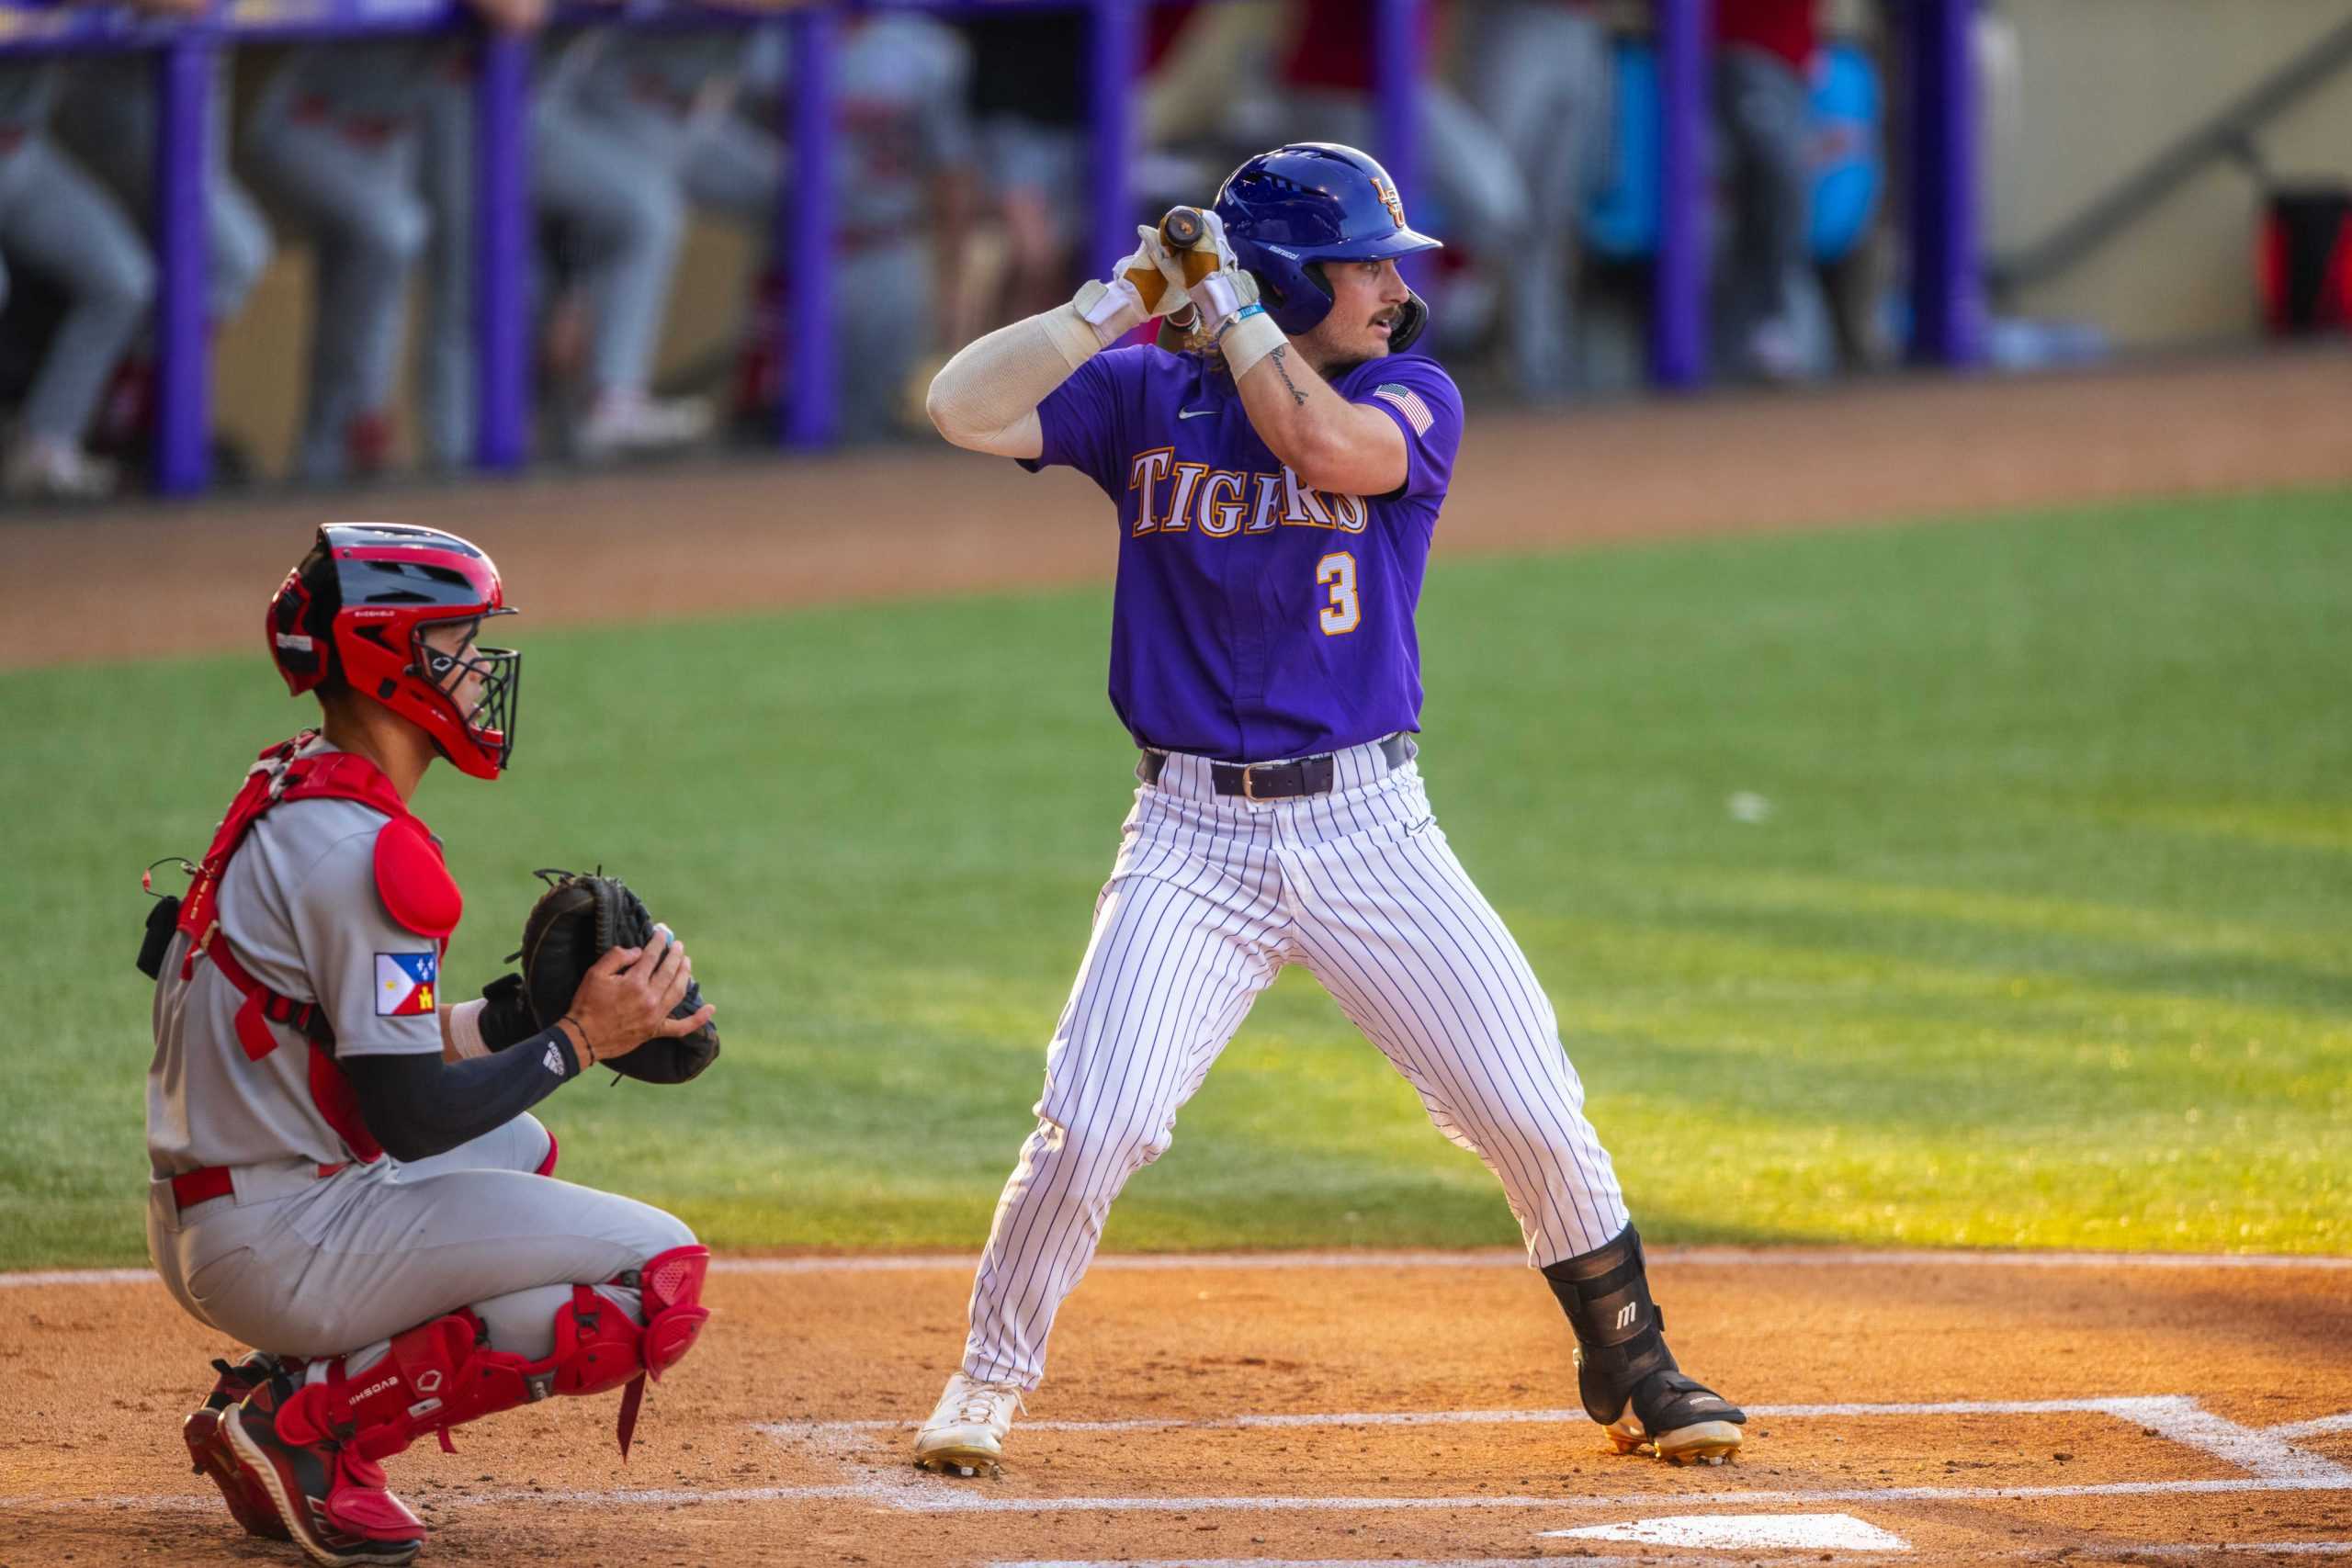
(669, 1286)
(443, 1373)
(671, 1282)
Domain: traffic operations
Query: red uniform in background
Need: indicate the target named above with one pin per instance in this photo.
(1333, 46)
(1785, 27)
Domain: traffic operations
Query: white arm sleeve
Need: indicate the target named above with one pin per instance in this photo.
(986, 398)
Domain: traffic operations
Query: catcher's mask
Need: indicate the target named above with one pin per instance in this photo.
(1288, 211)
(392, 611)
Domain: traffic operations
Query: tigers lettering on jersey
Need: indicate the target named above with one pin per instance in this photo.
(1255, 617)
(1222, 502)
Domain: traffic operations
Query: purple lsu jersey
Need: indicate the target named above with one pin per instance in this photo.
(1254, 618)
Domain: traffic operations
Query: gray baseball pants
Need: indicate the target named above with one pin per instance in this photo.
(301, 1265)
(1542, 75)
(1765, 281)
(357, 198)
(1480, 192)
(107, 118)
(624, 200)
(58, 222)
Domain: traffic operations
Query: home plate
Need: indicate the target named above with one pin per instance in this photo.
(1821, 1532)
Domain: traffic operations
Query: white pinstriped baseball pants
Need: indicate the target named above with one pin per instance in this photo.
(1210, 897)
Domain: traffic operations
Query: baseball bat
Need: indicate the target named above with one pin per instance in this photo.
(1182, 230)
(1179, 230)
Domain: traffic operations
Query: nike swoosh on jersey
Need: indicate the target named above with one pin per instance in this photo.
(1192, 413)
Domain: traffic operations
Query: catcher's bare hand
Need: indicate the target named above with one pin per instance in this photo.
(625, 998)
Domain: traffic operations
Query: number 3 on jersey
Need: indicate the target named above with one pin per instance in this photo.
(1345, 612)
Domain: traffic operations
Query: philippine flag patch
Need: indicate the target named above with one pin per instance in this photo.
(404, 983)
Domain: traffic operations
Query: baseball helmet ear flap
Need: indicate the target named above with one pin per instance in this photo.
(301, 623)
(1411, 319)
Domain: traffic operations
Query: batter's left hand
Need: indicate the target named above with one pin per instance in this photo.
(1212, 244)
(1225, 291)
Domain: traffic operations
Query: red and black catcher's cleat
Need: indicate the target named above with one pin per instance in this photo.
(208, 1446)
(331, 1497)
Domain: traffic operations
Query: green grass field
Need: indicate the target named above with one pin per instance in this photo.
(2043, 937)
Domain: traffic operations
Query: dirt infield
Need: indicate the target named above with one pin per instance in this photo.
(1938, 1408)
(926, 520)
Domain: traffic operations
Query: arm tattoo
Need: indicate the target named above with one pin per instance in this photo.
(1278, 357)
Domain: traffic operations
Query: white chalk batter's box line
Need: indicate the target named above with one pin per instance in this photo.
(2266, 1455)
(1652, 1555)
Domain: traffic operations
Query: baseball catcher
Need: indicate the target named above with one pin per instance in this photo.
(346, 1172)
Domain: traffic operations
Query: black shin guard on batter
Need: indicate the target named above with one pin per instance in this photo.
(1620, 1344)
(1606, 1293)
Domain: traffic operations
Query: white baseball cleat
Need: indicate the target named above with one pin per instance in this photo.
(44, 468)
(966, 1433)
(625, 425)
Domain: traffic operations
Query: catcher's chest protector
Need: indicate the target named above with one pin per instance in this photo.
(415, 886)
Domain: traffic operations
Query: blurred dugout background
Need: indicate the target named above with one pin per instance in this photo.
(2154, 173)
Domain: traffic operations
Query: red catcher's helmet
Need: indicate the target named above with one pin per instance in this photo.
(357, 609)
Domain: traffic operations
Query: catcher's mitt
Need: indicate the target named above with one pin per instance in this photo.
(576, 920)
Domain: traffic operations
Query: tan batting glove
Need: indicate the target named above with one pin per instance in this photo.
(1155, 273)
(1147, 285)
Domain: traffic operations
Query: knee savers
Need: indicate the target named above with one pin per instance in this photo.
(443, 1373)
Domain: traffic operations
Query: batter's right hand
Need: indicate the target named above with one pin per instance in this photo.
(625, 999)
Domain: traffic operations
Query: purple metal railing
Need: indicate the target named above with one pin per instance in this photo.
(804, 223)
(1114, 57)
(1947, 299)
(1395, 83)
(183, 365)
(501, 322)
(1946, 237)
(1679, 283)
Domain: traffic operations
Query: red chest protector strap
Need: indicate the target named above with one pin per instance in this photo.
(280, 775)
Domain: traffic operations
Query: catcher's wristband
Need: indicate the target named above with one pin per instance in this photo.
(1248, 337)
(465, 1029)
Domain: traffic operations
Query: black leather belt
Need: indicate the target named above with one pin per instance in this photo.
(1278, 781)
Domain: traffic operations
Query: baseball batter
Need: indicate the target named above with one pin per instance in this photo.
(1279, 474)
(346, 1173)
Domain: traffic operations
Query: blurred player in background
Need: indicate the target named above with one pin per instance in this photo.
(1324, 77)
(610, 123)
(903, 188)
(107, 118)
(364, 144)
(1540, 72)
(1028, 96)
(57, 221)
(1773, 321)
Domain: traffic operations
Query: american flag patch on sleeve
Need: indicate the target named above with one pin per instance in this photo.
(1409, 403)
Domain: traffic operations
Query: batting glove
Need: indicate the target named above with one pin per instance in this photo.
(1147, 285)
(1224, 293)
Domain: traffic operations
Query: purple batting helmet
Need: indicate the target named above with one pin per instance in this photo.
(1289, 211)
